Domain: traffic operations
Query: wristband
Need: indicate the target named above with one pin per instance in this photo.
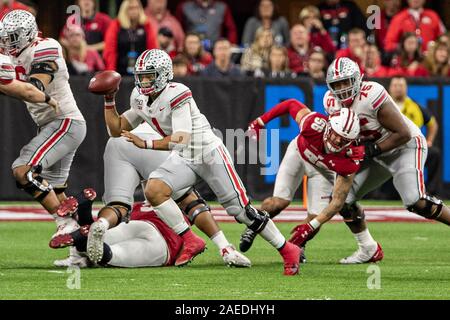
(148, 144)
(110, 104)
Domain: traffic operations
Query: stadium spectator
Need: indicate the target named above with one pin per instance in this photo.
(409, 61)
(421, 117)
(193, 51)
(256, 57)
(180, 66)
(319, 37)
(390, 9)
(317, 64)
(278, 66)
(372, 63)
(299, 49)
(356, 47)
(127, 37)
(9, 5)
(339, 17)
(209, 18)
(160, 16)
(80, 58)
(437, 61)
(266, 17)
(93, 23)
(221, 65)
(166, 41)
(424, 23)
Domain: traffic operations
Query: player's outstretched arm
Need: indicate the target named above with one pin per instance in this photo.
(115, 123)
(27, 92)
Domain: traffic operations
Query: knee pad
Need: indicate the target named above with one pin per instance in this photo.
(35, 184)
(428, 207)
(202, 208)
(115, 206)
(352, 213)
(256, 220)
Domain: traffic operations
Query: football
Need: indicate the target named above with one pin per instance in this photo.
(105, 82)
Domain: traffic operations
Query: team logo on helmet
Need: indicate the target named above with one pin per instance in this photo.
(153, 71)
(20, 30)
(344, 80)
(341, 130)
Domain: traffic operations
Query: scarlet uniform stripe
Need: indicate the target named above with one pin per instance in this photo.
(419, 167)
(336, 66)
(379, 101)
(50, 52)
(141, 62)
(54, 138)
(158, 127)
(185, 95)
(234, 178)
(7, 67)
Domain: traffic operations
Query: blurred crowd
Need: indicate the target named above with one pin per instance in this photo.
(202, 39)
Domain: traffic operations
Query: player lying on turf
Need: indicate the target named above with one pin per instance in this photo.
(171, 111)
(322, 151)
(125, 166)
(392, 147)
(43, 165)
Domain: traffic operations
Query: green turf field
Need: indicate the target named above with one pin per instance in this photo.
(416, 266)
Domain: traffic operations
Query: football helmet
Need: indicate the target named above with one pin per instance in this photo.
(341, 70)
(341, 130)
(153, 71)
(21, 30)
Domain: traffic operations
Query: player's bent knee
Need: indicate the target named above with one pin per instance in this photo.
(157, 191)
(428, 207)
(20, 174)
(255, 220)
(195, 207)
(33, 183)
(352, 213)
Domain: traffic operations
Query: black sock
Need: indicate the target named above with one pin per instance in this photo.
(79, 240)
(107, 255)
(84, 210)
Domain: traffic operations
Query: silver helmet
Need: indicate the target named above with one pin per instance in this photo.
(341, 70)
(21, 30)
(153, 71)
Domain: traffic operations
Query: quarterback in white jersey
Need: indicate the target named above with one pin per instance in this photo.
(392, 147)
(170, 109)
(43, 165)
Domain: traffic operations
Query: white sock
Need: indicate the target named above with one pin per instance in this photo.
(62, 220)
(314, 223)
(104, 222)
(171, 214)
(271, 234)
(219, 240)
(364, 239)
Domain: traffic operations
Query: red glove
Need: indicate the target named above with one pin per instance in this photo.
(254, 127)
(357, 153)
(301, 234)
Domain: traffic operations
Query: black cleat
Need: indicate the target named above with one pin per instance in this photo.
(246, 241)
(302, 255)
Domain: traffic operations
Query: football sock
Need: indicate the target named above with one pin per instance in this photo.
(219, 240)
(170, 213)
(271, 234)
(364, 239)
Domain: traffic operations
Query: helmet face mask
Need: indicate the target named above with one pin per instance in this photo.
(334, 142)
(344, 80)
(153, 71)
(341, 130)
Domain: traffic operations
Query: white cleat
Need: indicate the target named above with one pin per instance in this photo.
(68, 226)
(95, 241)
(234, 258)
(75, 258)
(364, 255)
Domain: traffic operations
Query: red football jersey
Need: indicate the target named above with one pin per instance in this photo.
(174, 242)
(312, 149)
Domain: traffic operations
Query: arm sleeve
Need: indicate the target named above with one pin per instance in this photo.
(290, 106)
(181, 118)
(132, 117)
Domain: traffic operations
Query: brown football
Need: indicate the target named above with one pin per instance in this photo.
(105, 82)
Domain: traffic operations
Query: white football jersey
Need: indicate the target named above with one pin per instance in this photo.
(48, 49)
(158, 114)
(7, 73)
(366, 105)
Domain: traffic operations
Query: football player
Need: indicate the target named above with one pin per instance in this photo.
(322, 150)
(198, 153)
(125, 168)
(43, 165)
(392, 147)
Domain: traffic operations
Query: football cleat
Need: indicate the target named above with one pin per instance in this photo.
(69, 225)
(90, 194)
(75, 258)
(65, 240)
(95, 241)
(246, 240)
(364, 256)
(234, 258)
(190, 250)
(67, 207)
(291, 258)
